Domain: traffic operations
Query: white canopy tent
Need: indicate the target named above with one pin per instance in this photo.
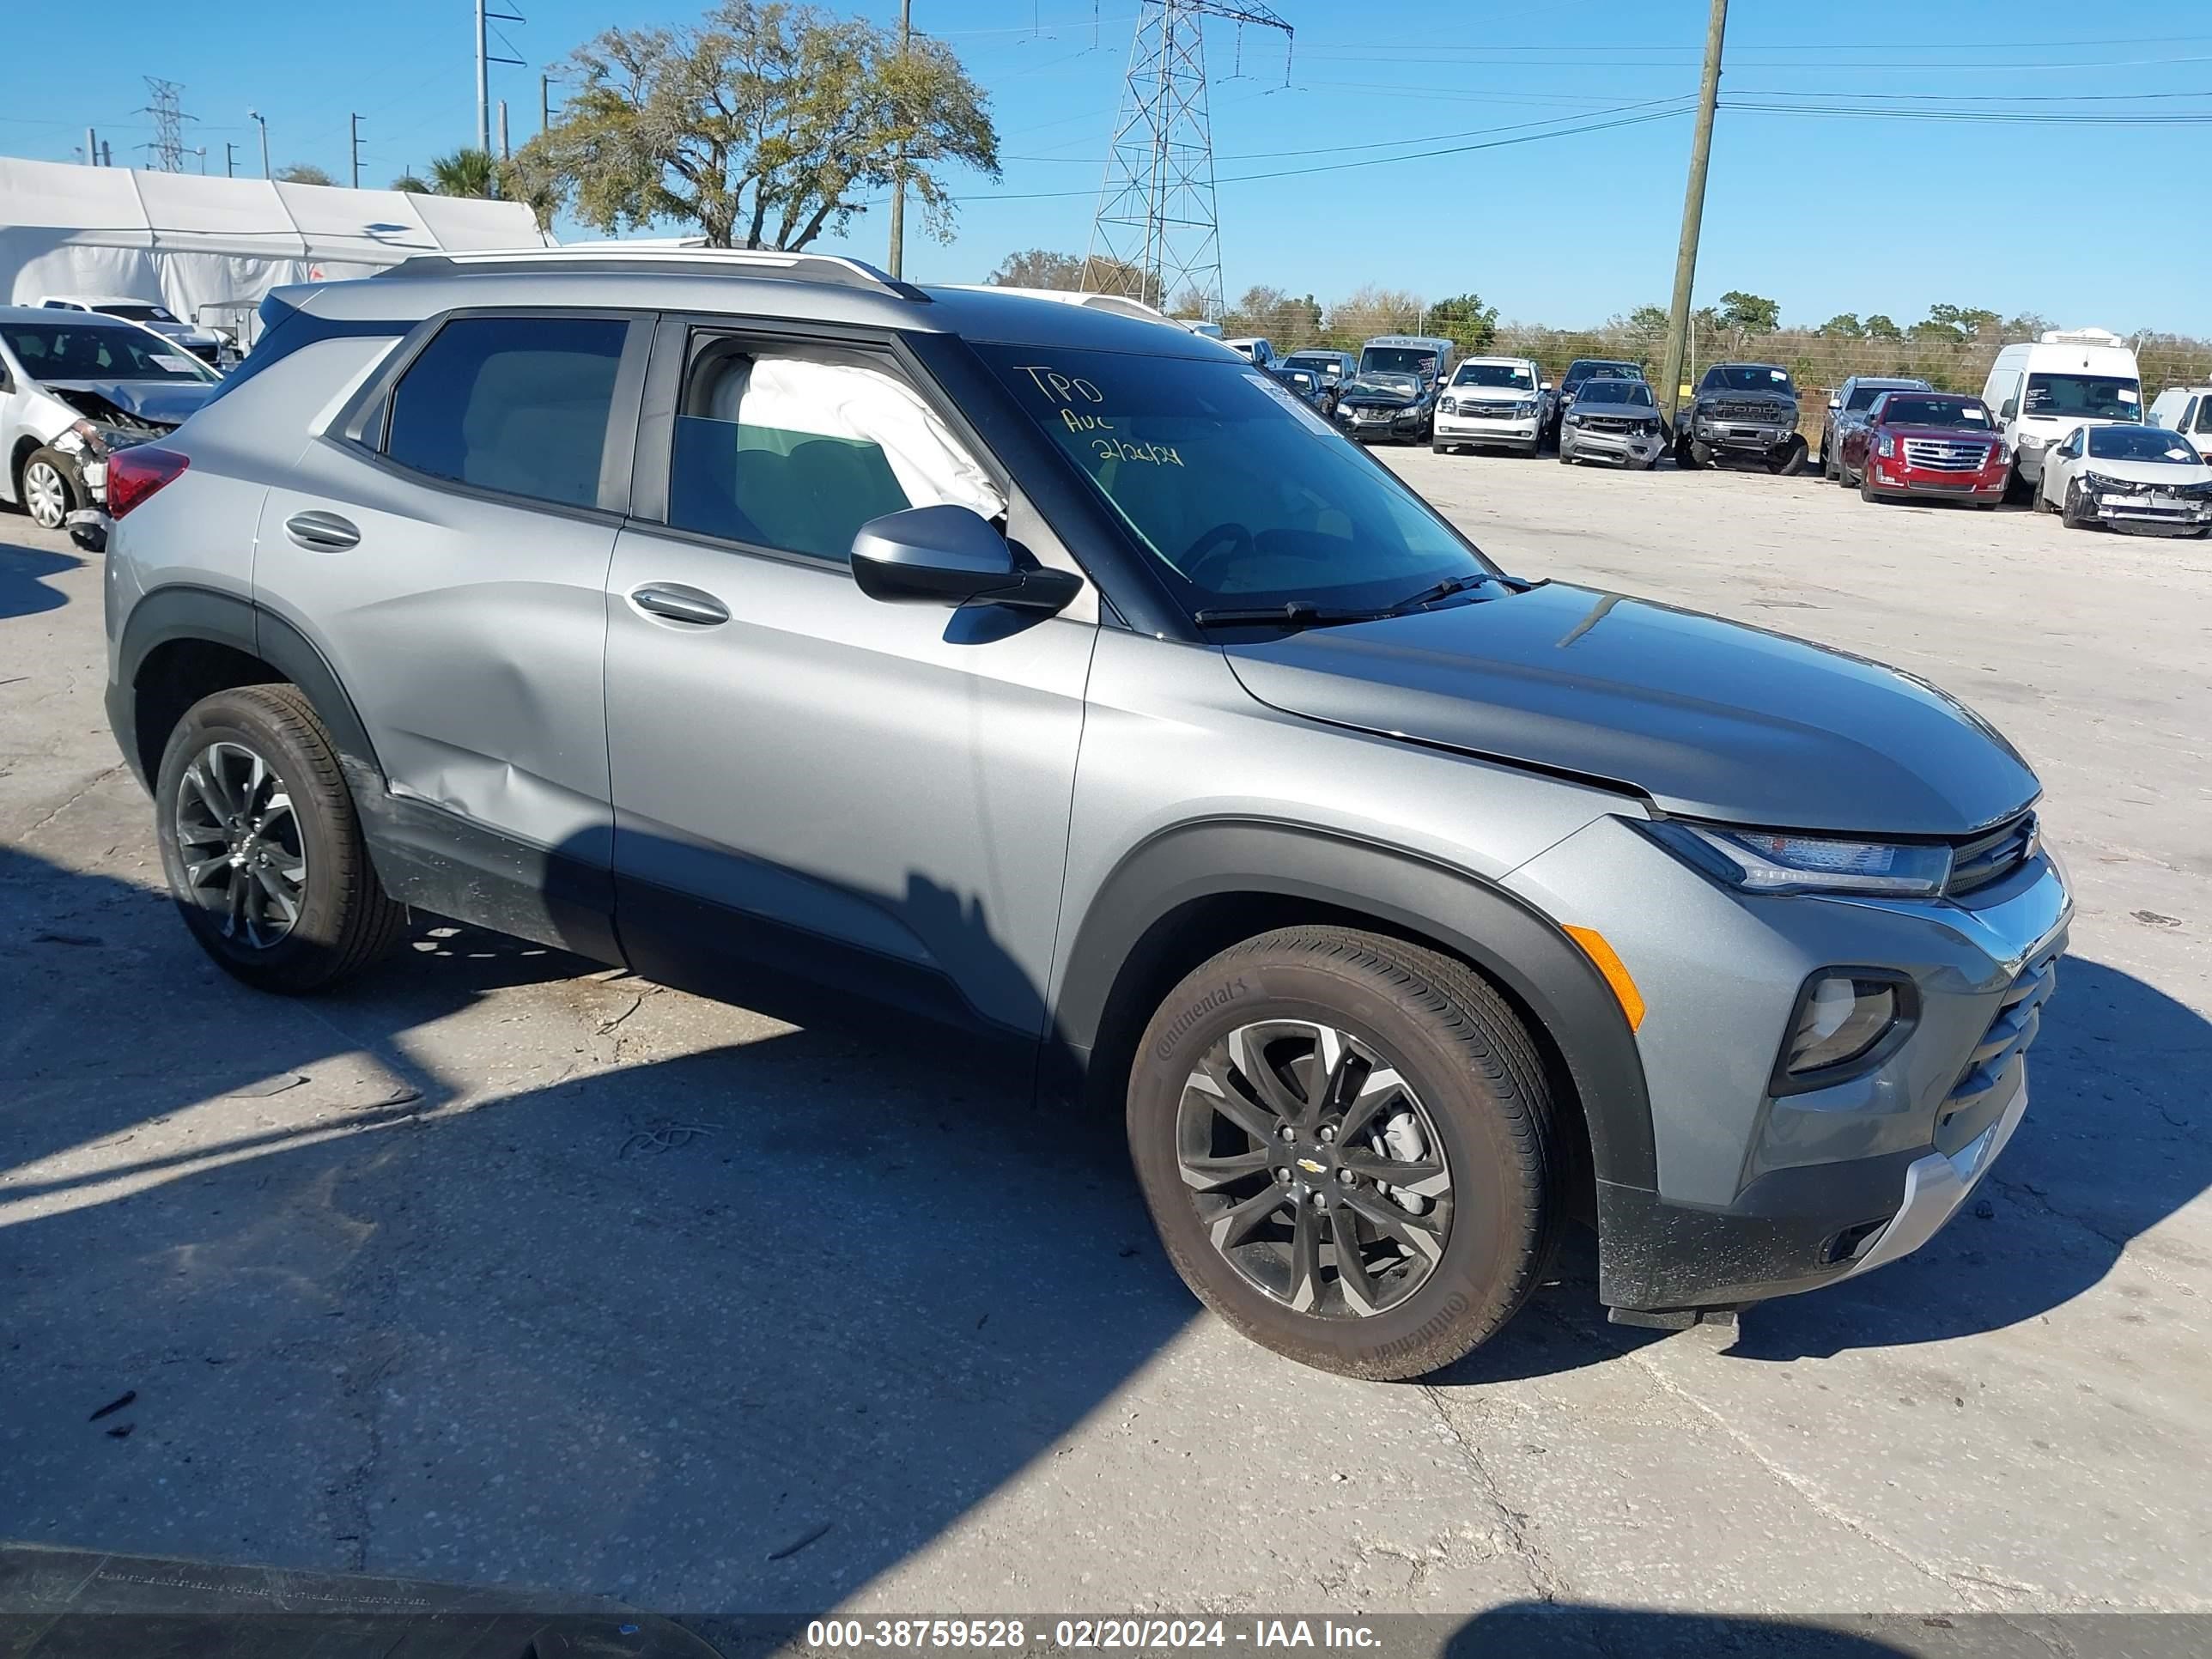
(190, 241)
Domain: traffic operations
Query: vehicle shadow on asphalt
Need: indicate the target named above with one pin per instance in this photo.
(744, 1326)
(23, 592)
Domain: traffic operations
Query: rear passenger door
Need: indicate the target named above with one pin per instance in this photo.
(446, 545)
(809, 784)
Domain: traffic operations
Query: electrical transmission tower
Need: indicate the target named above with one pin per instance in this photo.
(167, 153)
(1156, 236)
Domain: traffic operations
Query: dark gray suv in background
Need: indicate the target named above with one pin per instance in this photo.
(791, 633)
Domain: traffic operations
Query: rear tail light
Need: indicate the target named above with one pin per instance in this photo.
(136, 473)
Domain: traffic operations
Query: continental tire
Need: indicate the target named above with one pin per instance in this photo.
(262, 848)
(1311, 1242)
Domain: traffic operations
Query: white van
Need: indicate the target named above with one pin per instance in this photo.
(2186, 409)
(2043, 389)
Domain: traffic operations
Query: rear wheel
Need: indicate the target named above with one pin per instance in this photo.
(263, 847)
(49, 491)
(1346, 1143)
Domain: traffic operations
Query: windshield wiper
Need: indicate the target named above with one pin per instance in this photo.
(1291, 613)
(1442, 590)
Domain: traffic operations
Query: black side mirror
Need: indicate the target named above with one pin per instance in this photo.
(2009, 410)
(948, 555)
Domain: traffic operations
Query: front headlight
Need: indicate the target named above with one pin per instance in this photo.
(1771, 862)
(1571, 420)
(2031, 440)
(2112, 486)
(1886, 445)
(1450, 406)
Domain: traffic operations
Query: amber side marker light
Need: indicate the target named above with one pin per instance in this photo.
(1608, 963)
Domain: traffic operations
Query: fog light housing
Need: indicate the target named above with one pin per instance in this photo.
(1847, 1021)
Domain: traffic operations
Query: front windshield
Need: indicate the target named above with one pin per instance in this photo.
(1583, 371)
(1245, 496)
(1512, 376)
(1398, 385)
(1319, 364)
(136, 313)
(1863, 397)
(1409, 360)
(1615, 391)
(2140, 443)
(88, 350)
(1747, 377)
(2088, 397)
(1926, 409)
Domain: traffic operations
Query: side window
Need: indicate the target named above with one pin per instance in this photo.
(2188, 410)
(795, 450)
(2204, 414)
(512, 403)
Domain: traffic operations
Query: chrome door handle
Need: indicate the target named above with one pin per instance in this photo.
(680, 604)
(323, 532)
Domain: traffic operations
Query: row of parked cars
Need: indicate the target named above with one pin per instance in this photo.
(2060, 422)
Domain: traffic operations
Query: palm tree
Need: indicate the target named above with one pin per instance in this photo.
(466, 172)
(412, 184)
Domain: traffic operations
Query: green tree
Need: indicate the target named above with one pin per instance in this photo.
(466, 172)
(303, 172)
(412, 184)
(1843, 325)
(1879, 327)
(1648, 319)
(1959, 322)
(761, 125)
(1464, 321)
(1749, 313)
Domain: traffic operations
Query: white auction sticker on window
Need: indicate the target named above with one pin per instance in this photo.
(2127, 396)
(183, 365)
(1290, 401)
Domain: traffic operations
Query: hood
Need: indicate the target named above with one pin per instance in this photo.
(1709, 719)
(163, 402)
(1490, 394)
(2166, 475)
(1946, 434)
(1378, 397)
(185, 331)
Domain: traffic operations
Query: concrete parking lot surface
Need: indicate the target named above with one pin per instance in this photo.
(502, 1267)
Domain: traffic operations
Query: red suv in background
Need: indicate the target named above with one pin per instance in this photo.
(1927, 443)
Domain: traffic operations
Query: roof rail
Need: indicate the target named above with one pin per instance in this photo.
(828, 268)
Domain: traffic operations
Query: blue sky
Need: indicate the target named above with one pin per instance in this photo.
(2022, 183)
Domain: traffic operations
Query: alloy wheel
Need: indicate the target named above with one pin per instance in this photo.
(45, 495)
(1316, 1170)
(240, 845)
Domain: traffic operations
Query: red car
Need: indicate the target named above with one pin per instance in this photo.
(1941, 444)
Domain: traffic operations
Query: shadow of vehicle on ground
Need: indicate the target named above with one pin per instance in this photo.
(23, 591)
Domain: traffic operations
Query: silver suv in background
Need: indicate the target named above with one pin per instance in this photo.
(1615, 420)
(787, 632)
(1848, 408)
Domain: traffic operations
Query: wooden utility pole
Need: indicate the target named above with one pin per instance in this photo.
(1693, 212)
(898, 167)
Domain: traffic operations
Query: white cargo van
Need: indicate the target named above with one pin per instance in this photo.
(2043, 389)
(2186, 409)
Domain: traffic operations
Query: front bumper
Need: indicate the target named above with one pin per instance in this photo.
(1757, 1195)
(1624, 447)
(1383, 423)
(2141, 512)
(1519, 431)
(1743, 437)
(1893, 475)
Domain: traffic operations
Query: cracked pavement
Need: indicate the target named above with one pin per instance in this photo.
(502, 1267)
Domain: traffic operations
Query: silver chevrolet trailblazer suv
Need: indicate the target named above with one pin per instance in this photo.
(777, 629)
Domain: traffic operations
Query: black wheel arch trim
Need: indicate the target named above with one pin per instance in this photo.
(1501, 934)
(184, 612)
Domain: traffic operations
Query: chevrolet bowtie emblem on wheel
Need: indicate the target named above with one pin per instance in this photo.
(1310, 1167)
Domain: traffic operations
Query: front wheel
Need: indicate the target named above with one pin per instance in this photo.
(263, 847)
(2076, 515)
(1789, 461)
(1866, 491)
(1687, 456)
(1347, 1144)
(50, 491)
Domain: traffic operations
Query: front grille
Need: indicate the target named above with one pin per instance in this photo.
(1726, 410)
(1608, 423)
(1982, 1089)
(1992, 855)
(1947, 454)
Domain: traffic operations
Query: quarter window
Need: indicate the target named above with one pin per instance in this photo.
(795, 451)
(518, 404)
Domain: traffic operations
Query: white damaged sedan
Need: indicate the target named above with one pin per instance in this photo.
(2141, 479)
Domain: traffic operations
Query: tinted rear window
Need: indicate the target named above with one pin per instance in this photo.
(518, 404)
